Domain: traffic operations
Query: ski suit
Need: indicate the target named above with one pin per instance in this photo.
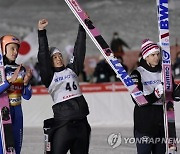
(70, 107)
(148, 119)
(15, 91)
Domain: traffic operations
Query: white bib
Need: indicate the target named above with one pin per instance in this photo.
(149, 81)
(64, 86)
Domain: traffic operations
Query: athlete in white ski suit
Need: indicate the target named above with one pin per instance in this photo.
(148, 119)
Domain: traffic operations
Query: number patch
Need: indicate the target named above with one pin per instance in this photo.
(71, 87)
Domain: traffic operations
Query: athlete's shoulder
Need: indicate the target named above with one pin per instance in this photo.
(135, 76)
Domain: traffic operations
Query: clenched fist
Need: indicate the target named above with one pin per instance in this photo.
(42, 24)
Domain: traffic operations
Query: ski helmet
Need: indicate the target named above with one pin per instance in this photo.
(8, 39)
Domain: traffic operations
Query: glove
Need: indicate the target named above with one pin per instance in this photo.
(158, 91)
(176, 94)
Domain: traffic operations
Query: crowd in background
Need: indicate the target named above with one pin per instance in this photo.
(103, 71)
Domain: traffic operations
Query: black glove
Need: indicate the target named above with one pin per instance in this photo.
(176, 94)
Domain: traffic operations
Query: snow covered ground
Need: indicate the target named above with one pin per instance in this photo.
(133, 19)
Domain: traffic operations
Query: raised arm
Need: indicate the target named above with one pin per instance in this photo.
(44, 59)
(77, 61)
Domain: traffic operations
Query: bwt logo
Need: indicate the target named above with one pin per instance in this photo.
(121, 71)
(166, 57)
(163, 10)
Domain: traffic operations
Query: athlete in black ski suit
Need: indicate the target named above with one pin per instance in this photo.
(148, 119)
(70, 127)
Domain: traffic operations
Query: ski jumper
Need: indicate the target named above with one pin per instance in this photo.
(70, 107)
(15, 91)
(149, 119)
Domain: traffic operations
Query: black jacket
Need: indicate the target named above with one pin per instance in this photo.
(75, 108)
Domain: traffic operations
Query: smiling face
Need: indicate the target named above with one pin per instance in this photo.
(57, 60)
(12, 51)
(153, 59)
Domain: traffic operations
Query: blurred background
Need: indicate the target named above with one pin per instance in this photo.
(132, 20)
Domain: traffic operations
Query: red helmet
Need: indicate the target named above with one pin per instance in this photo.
(7, 39)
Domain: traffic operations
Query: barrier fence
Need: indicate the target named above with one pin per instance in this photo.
(110, 104)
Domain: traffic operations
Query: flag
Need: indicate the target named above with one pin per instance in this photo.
(28, 48)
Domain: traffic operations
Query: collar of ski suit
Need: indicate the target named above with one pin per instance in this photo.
(7, 62)
(58, 69)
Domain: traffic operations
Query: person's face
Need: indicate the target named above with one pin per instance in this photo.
(153, 59)
(12, 51)
(57, 60)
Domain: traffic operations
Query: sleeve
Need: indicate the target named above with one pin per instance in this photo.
(44, 59)
(77, 61)
(27, 92)
(4, 86)
(136, 77)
